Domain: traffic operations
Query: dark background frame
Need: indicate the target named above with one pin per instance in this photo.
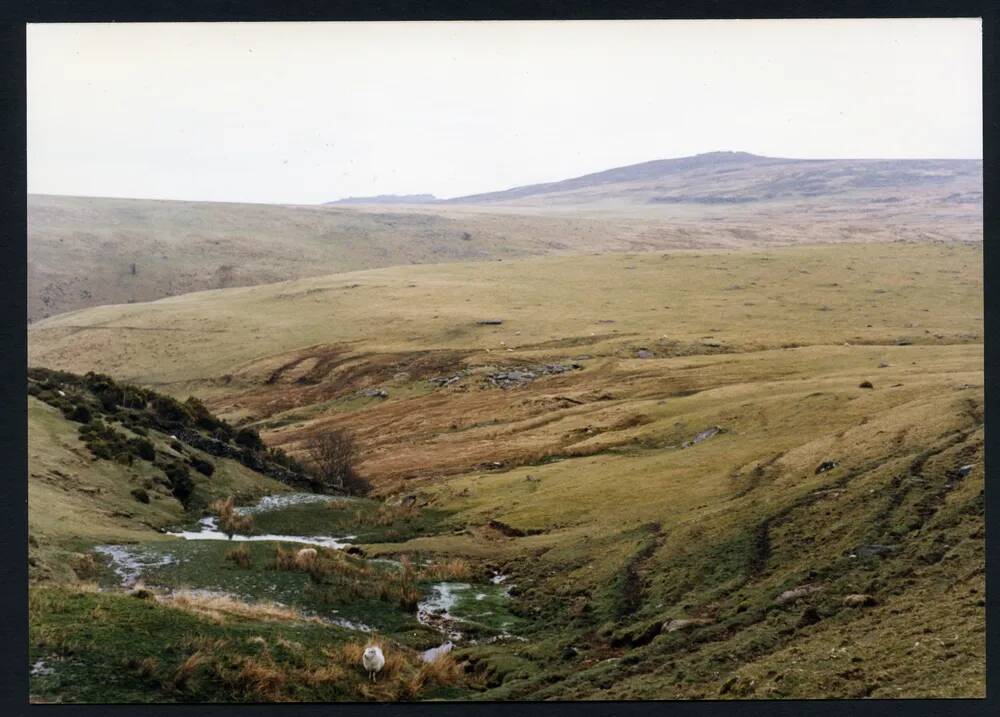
(13, 328)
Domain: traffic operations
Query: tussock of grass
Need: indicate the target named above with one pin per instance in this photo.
(230, 522)
(221, 608)
(359, 579)
(85, 566)
(453, 569)
(409, 594)
(187, 670)
(170, 654)
(240, 556)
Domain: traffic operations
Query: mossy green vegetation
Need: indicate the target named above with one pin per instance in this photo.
(88, 646)
(369, 521)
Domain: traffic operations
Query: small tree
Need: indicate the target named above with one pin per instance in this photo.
(333, 455)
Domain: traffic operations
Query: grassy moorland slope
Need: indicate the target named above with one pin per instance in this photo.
(655, 447)
(107, 476)
(82, 250)
(88, 251)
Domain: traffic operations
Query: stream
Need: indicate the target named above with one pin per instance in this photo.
(210, 531)
(453, 609)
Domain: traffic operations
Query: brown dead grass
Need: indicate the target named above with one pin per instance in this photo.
(85, 566)
(260, 679)
(220, 608)
(230, 522)
(187, 669)
(454, 569)
(240, 556)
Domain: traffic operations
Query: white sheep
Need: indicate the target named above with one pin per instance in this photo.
(373, 660)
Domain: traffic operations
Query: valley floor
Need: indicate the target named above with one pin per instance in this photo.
(693, 475)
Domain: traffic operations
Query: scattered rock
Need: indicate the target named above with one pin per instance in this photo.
(826, 466)
(869, 551)
(375, 393)
(489, 322)
(644, 354)
(795, 594)
(703, 436)
(512, 378)
(883, 364)
(445, 380)
(41, 669)
(858, 600)
(964, 471)
(685, 623)
(570, 653)
(865, 384)
(532, 479)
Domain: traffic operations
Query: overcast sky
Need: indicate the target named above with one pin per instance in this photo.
(310, 112)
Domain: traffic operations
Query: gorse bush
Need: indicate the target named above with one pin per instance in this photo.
(249, 438)
(80, 414)
(170, 410)
(97, 401)
(143, 448)
(181, 484)
(283, 459)
(107, 443)
(205, 420)
(206, 468)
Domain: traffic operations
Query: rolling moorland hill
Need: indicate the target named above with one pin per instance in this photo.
(764, 483)
(736, 178)
(87, 251)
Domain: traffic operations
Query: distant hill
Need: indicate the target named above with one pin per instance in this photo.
(388, 199)
(719, 178)
(88, 251)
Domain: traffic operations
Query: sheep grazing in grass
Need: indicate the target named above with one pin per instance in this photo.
(373, 660)
(305, 557)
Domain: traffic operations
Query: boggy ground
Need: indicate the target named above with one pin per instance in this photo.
(648, 551)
